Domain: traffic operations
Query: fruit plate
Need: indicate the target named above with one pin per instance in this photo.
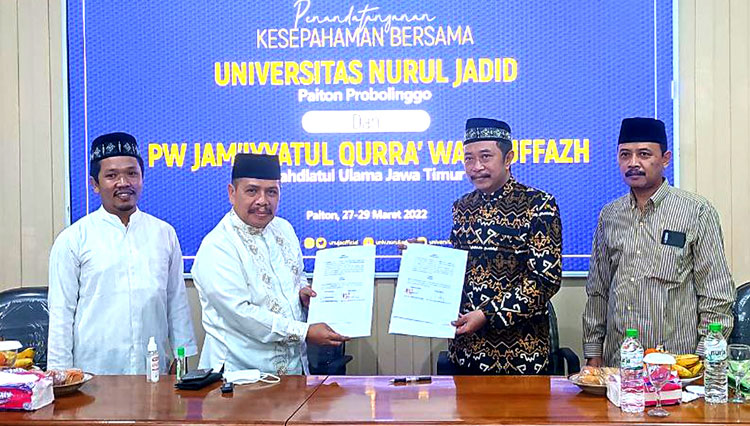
(63, 390)
(588, 388)
(690, 380)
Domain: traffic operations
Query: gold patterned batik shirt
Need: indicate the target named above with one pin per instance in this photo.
(514, 240)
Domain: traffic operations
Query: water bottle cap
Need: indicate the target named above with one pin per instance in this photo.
(631, 332)
(180, 351)
(151, 344)
(714, 327)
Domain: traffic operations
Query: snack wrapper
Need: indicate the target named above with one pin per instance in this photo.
(24, 390)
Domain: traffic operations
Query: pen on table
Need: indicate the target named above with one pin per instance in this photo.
(412, 379)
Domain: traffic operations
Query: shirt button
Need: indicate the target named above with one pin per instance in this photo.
(640, 223)
(632, 279)
(638, 252)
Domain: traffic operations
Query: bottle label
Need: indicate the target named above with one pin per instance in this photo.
(179, 371)
(631, 360)
(153, 365)
(716, 351)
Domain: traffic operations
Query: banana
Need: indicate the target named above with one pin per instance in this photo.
(23, 363)
(682, 371)
(697, 368)
(26, 353)
(687, 360)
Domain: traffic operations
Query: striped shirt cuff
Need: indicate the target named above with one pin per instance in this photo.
(592, 350)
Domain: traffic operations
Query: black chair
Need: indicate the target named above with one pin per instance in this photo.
(741, 310)
(328, 360)
(24, 316)
(558, 358)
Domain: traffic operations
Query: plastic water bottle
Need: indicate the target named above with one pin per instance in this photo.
(152, 361)
(181, 363)
(716, 365)
(632, 399)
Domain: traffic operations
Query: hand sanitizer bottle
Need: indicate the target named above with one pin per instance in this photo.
(152, 361)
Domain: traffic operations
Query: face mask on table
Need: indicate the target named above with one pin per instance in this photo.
(244, 377)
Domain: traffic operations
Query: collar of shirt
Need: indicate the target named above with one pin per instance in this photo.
(240, 225)
(655, 199)
(115, 220)
(505, 189)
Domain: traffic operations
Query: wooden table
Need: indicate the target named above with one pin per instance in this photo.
(355, 400)
(484, 400)
(130, 400)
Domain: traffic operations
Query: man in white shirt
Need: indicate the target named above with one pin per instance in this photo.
(250, 277)
(115, 276)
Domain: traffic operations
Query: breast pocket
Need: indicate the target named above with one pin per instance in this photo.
(670, 264)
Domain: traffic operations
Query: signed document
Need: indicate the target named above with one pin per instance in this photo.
(344, 279)
(428, 291)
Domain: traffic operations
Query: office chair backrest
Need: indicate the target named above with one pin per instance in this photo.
(554, 333)
(24, 316)
(741, 310)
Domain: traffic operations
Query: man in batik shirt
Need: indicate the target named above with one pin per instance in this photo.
(514, 238)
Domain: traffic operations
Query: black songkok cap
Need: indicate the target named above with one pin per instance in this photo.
(113, 145)
(256, 166)
(485, 129)
(639, 129)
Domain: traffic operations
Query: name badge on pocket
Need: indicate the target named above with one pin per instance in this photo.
(673, 238)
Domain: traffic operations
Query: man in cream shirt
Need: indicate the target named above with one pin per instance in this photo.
(250, 277)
